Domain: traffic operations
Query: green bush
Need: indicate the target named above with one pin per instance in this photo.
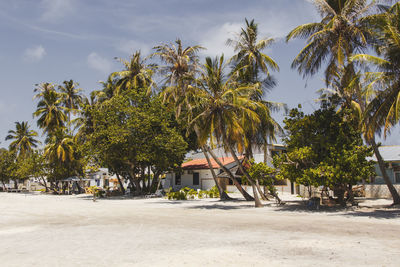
(190, 193)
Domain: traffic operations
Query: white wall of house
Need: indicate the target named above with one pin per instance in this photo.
(205, 181)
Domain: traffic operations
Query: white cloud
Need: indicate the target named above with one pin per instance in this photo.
(99, 63)
(34, 54)
(56, 9)
(215, 39)
(131, 46)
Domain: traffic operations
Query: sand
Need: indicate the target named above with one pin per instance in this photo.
(45, 230)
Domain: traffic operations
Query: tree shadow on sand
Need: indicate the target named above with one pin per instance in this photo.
(378, 212)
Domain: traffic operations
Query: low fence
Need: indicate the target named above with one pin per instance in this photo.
(379, 190)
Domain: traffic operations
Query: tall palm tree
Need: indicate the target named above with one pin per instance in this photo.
(50, 112)
(137, 74)
(180, 69)
(251, 64)
(60, 147)
(71, 97)
(249, 59)
(42, 88)
(84, 122)
(383, 111)
(219, 106)
(341, 32)
(23, 139)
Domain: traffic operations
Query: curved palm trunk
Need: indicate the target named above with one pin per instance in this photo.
(257, 202)
(262, 194)
(45, 184)
(222, 194)
(246, 195)
(381, 163)
(120, 184)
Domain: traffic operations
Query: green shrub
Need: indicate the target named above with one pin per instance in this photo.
(190, 193)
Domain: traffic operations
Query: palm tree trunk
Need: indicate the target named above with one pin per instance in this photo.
(222, 194)
(4, 186)
(45, 184)
(257, 202)
(149, 179)
(231, 176)
(121, 184)
(381, 163)
(263, 196)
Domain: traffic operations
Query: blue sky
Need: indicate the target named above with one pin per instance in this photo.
(57, 40)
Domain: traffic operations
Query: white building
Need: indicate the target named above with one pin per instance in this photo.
(195, 172)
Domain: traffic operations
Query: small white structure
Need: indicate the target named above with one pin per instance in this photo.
(197, 174)
(102, 178)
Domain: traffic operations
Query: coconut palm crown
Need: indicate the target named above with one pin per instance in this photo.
(341, 32)
(23, 139)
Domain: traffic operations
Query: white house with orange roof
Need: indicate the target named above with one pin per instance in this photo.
(195, 172)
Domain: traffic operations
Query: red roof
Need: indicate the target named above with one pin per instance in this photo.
(198, 164)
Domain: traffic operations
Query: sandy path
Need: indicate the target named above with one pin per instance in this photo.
(37, 230)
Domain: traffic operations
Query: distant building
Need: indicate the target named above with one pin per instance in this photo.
(377, 186)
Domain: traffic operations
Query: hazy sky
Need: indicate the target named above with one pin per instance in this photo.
(57, 40)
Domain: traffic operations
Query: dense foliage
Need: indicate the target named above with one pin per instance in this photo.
(324, 148)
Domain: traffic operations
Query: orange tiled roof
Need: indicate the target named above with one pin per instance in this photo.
(198, 164)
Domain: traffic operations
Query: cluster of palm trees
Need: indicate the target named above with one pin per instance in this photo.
(222, 102)
(342, 41)
(56, 105)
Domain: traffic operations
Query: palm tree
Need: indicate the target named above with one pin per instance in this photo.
(50, 112)
(249, 63)
(42, 88)
(249, 60)
(60, 147)
(180, 69)
(383, 111)
(71, 97)
(219, 106)
(84, 122)
(341, 32)
(137, 74)
(24, 139)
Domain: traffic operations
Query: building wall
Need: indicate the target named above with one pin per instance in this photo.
(379, 190)
(379, 179)
(206, 180)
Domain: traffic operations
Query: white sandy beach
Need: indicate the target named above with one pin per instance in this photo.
(44, 230)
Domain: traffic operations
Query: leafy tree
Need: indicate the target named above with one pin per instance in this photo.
(131, 133)
(324, 149)
(265, 176)
(7, 166)
(39, 167)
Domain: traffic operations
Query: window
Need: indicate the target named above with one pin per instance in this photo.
(177, 179)
(397, 177)
(196, 178)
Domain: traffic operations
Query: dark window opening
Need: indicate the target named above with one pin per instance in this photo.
(177, 179)
(196, 178)
(397, 177)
